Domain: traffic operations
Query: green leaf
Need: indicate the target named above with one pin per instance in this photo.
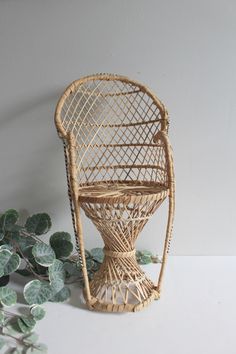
(23, 242)
(61, 243)
(6, 247)
(8, 296)
(30, 339)
(43, 254)
(4, 280)
(2, 236)
(9, 262)
(144, 257)
(37, 312)
(71, 269)
(38, 224)
(96, 266)
(56, 271)
(8, 219)
(26, 324)
(87, 254)
(89, 264)
(138, 255)
(145, 260)
(97, 254)
(61, 235)
(37, 292)
(37, 267)
(60, 292)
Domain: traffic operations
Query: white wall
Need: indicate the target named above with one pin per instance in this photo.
(184, 50)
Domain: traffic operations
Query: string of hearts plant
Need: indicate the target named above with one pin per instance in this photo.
(51, 267)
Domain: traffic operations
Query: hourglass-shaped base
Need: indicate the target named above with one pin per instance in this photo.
(120, 284)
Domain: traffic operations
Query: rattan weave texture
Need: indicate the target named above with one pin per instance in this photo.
(119, 171)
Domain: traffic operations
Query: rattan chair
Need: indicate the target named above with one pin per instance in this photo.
(119, 171)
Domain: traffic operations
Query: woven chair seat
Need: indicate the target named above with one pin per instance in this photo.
(121, 192)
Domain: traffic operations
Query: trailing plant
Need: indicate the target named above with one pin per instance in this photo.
(51, 267)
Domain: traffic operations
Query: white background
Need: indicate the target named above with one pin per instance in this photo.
(184, 50)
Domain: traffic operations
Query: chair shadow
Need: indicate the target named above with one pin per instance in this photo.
(77, 299)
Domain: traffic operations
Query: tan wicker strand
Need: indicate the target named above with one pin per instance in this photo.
(120, 170)
(79, 233)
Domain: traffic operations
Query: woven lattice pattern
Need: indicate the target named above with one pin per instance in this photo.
(113, 123)
(120, 170)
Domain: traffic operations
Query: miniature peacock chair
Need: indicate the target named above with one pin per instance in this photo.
(119, 171)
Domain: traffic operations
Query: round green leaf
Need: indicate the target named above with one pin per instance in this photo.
(56, 271)
(8, 296)
(145, 260)
(60, 242)
(89, 264)
(24, 242)
(38, 224)
(43, 254)
(71, 269)
(60, 292)
(26, 324)
(9, 262)
(60, 235)
(97, 254)
(6, 247)
(144, 257)
(87, 253)
(37, 292)
(37, 312)
(8, 219)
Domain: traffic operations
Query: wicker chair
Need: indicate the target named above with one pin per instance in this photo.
(119, 171)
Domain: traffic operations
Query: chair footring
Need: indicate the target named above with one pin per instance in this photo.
(97, 305)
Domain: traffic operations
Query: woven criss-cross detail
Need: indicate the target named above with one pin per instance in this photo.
(125, 192)
(120, 170)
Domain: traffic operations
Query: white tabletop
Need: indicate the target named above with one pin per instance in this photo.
(195, 315)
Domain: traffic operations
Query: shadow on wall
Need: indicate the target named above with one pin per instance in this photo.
(32, 166)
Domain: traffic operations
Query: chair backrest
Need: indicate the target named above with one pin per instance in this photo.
(113, 121)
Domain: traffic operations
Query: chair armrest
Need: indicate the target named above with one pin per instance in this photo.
(163, 137)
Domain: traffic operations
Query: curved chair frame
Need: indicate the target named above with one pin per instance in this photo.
(74, 190)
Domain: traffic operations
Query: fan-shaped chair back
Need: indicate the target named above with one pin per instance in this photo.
(113, 121)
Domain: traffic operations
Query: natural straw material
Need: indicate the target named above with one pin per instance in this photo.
(119, 171)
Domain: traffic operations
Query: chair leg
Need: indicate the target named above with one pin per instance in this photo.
(82, 253)
(167, 241)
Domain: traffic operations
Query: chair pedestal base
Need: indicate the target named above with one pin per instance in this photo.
(120, 285)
